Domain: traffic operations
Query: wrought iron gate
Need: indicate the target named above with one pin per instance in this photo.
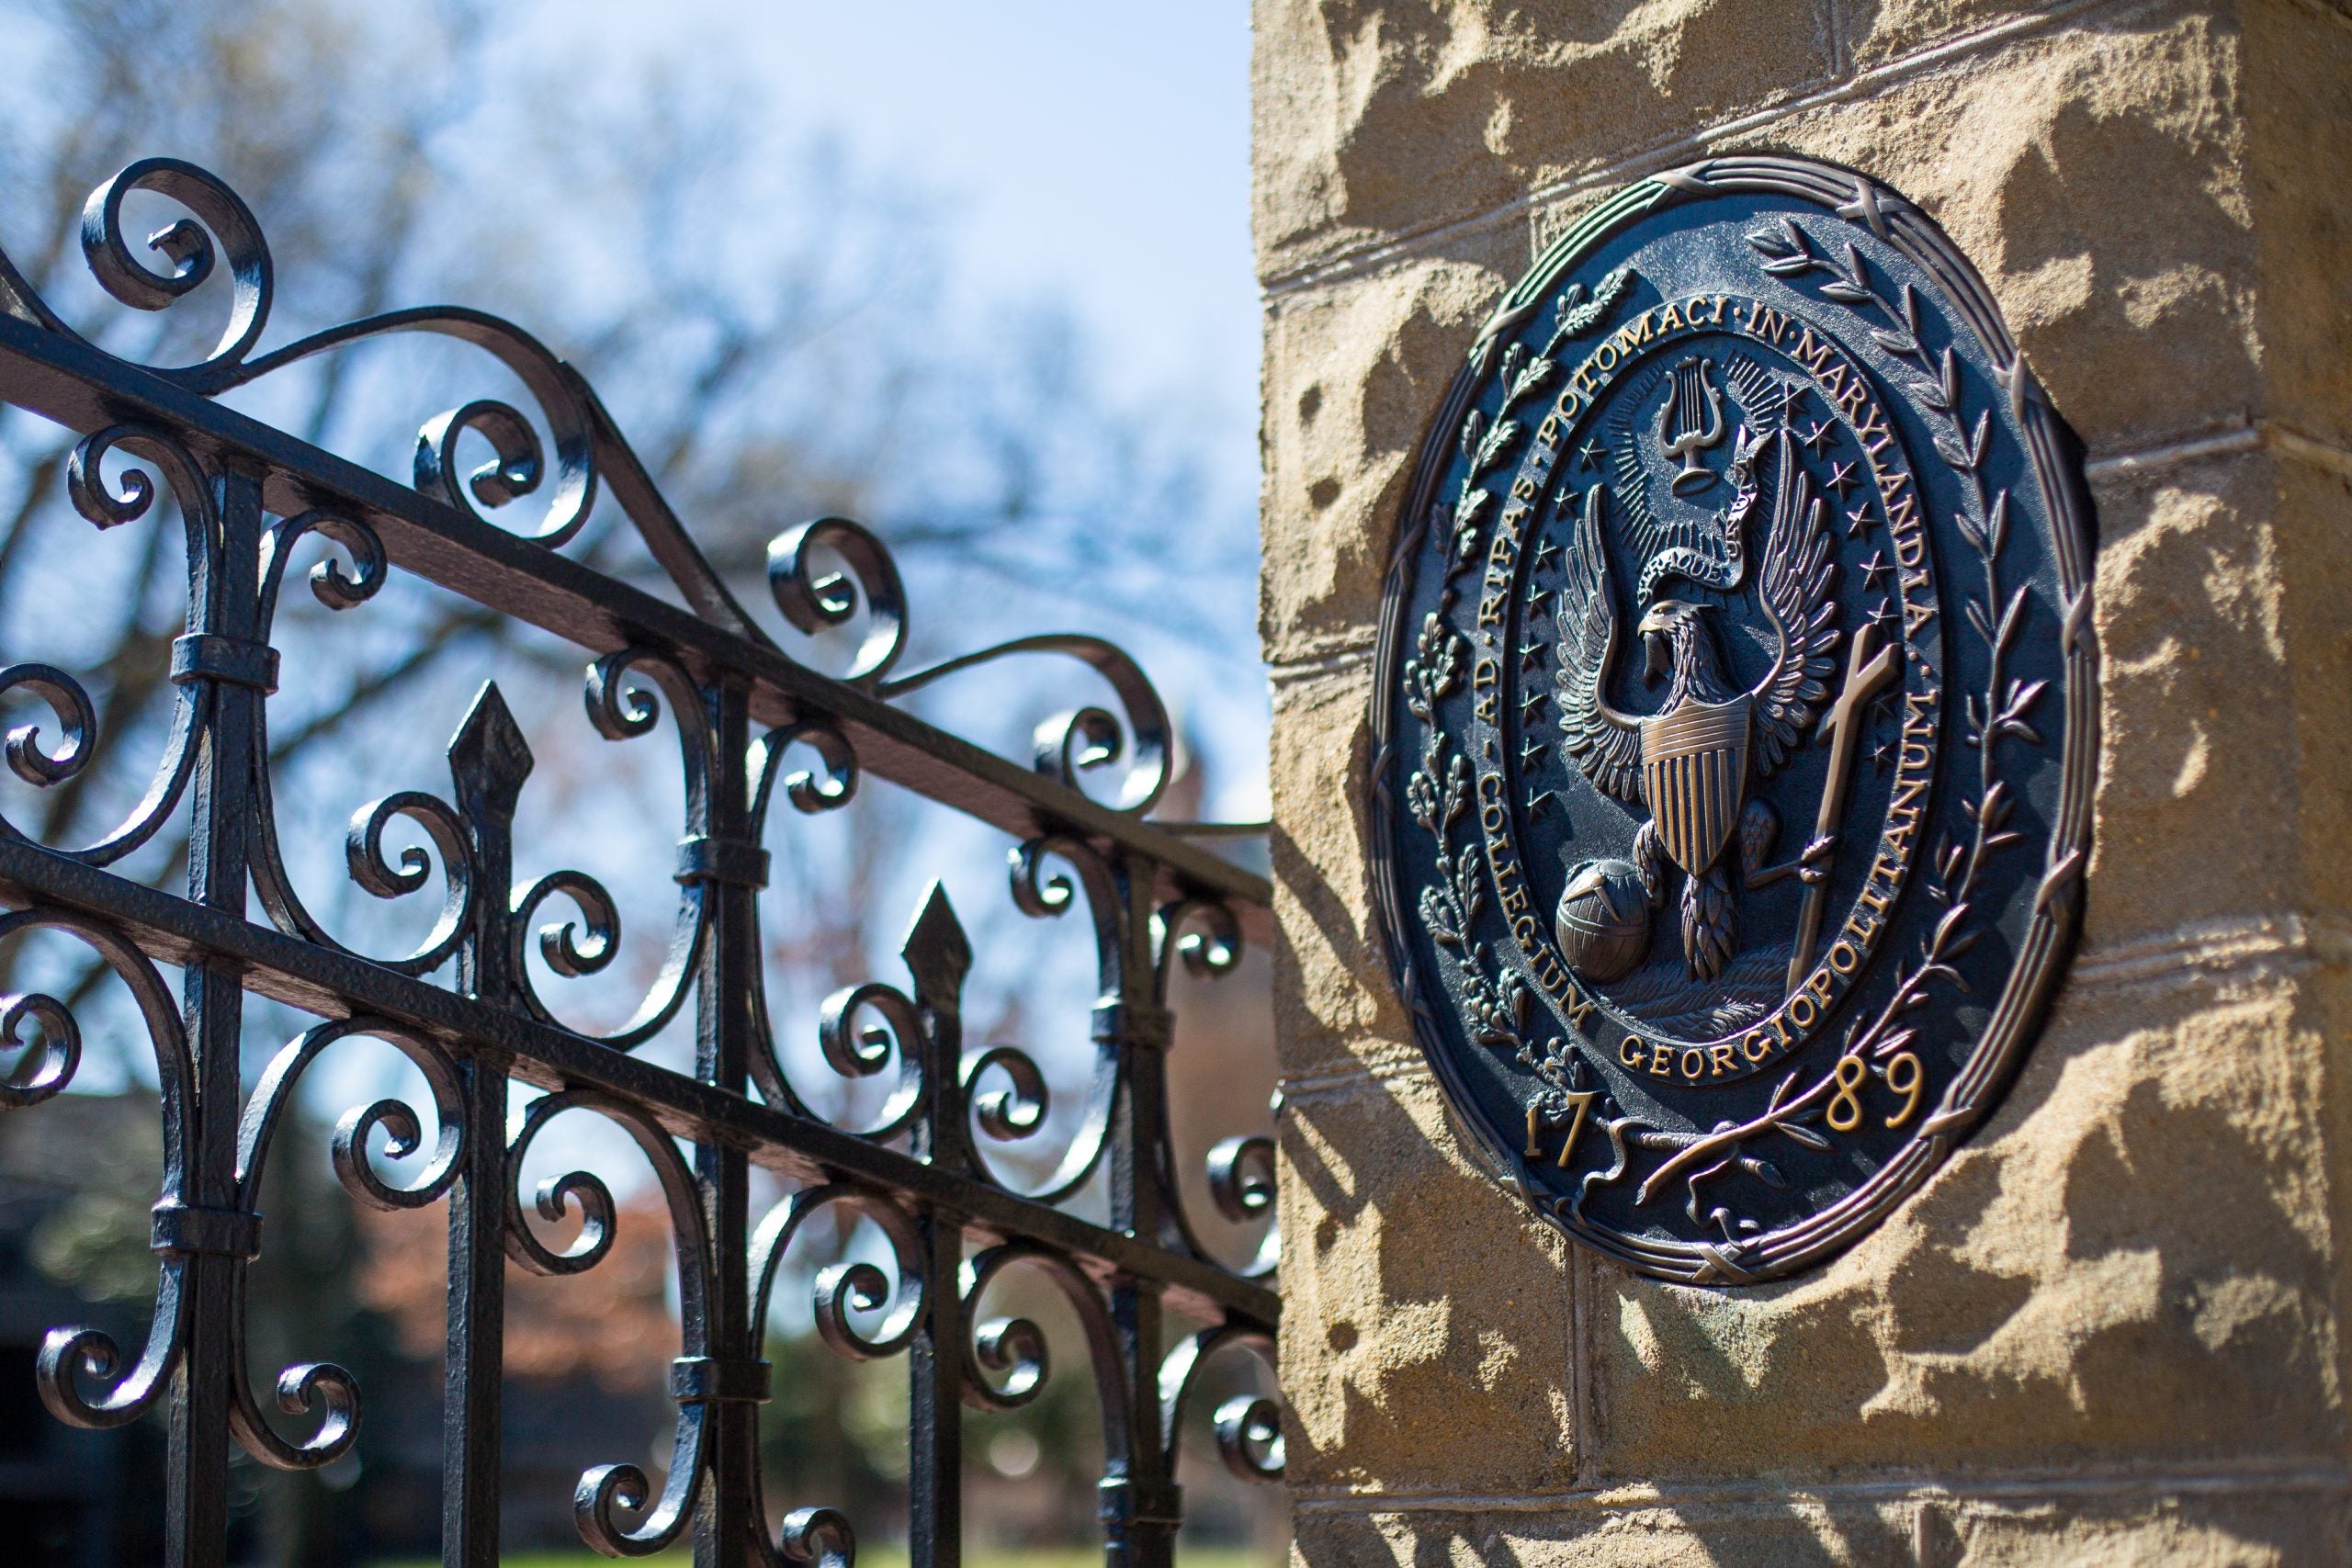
(251, 497)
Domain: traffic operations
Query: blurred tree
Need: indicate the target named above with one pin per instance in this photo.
(775, 328)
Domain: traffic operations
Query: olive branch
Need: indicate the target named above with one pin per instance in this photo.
(1438, 796)
(1484, 446)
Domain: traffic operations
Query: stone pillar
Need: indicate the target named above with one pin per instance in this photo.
(2112, 1328)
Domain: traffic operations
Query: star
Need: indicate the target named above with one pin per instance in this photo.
(1820, 435)
(1875, 567)
(1794, 403)
(1538, 602)
(1531, 753)
(1531, 655)
(1588, 455)
(1841, 478)
(1857, 520)
(1539, 800)
(1528, 705)
(1546, 552)
(1883, 755)
(1882, 614)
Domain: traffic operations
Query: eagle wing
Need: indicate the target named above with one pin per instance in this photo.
(1794, 588)
(1605, 743)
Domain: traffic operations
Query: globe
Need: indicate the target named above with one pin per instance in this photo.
(1603, 921)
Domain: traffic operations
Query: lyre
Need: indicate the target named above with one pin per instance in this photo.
(1686, 427)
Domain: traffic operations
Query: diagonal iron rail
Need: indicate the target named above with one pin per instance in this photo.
(464, 1006)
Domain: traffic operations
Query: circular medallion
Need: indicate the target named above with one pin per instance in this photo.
(1736, 707)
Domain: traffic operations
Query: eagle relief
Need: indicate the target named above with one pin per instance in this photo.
(1735, 709)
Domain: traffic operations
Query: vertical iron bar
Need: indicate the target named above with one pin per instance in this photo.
(936, 1404)
(488, 763)
(223, 601)
(725, 1020)
(471, 1430)
(1140, 1508)
(939, 956)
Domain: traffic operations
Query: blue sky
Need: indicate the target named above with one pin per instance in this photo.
(1093, 154)
(1093, 150)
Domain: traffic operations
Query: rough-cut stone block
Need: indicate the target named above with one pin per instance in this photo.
(2095, 178)
(2196, 814)
(2128, 1522)
(2299, 101)
(1426, 1314)
(1373, 121)
(2109, 1330)
(2135, 1241)
(1335, 1011)
(1879, 35)
(1354, 374)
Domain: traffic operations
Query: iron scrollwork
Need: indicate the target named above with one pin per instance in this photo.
(462, 1007)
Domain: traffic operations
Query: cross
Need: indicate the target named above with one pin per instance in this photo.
(1844, 729)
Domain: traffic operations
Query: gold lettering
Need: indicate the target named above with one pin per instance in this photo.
(1580, 1104)
(1693, 1063)
(1756, 1046)
(1726, 1058)
(1852, 957)
(1633, 335)
(1552, 978)
(1817, 987)
(1907, 792)
(1662, 1060)
(1851, 399)
(1630, 1051)
(1811, 351)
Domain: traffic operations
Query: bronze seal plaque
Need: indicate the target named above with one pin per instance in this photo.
(1736, 716)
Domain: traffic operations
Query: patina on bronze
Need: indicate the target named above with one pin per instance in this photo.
(1737, 716)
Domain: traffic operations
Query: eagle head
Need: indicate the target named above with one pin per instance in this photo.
(1675, 640)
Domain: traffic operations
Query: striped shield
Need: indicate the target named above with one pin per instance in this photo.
(1694, 773)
